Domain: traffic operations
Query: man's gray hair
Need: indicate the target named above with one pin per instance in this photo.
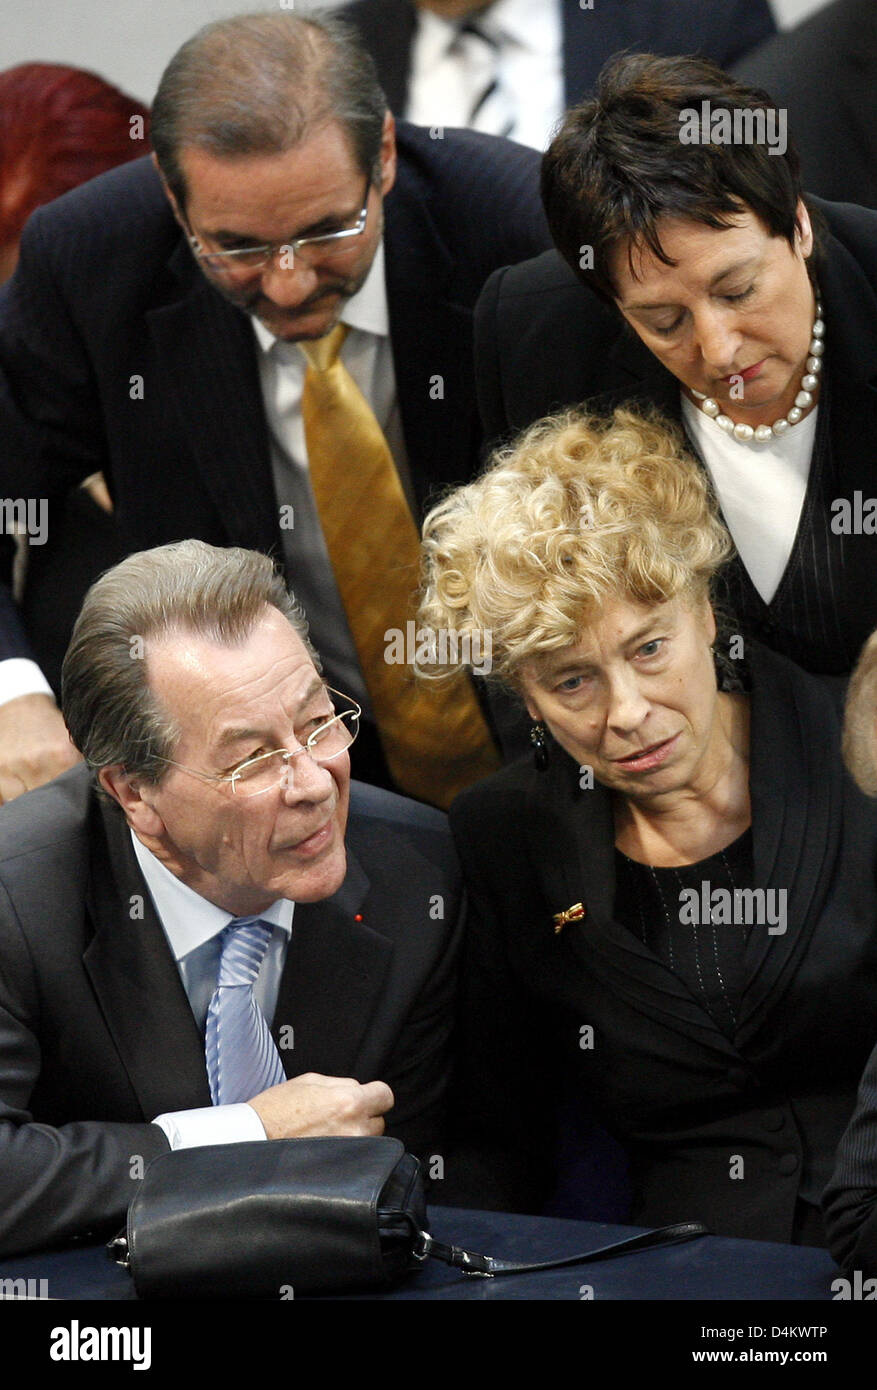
(259, 84)
(188, 586)
(860, 720)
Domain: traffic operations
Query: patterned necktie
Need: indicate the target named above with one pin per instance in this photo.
(436, 740)
(491, 110)
(242, 1060)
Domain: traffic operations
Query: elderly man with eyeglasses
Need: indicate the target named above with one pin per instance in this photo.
(263, 338)
(209, 933)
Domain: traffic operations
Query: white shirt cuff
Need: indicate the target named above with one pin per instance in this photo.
(21, 676)
(214, 1124)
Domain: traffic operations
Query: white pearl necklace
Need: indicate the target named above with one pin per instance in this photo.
(803, 400)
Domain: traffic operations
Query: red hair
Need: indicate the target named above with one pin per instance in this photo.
(59, 126)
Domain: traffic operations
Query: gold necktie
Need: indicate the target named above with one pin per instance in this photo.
(436, 740)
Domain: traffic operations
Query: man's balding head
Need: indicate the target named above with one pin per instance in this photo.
(260, 84)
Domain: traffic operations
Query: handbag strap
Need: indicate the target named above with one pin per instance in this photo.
(486, 1267)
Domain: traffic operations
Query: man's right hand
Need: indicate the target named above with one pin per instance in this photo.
(321, 1105)
(34, 744)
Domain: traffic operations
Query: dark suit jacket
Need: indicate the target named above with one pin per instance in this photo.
(720, 29)
(544, 342)
(824, 72)
(107, 292)
(96, 1033)
(850, 1200)
(681, 1096)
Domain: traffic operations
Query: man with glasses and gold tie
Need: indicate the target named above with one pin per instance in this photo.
(263, 338)
(209, 934)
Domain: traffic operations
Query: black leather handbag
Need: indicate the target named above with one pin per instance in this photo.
(300, 1216)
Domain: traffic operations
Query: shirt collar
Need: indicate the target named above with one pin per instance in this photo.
(188, 919)
(366, 310)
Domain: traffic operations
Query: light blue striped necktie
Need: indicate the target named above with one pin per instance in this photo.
(242, 1060)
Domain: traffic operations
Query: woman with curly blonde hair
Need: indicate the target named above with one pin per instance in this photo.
(674, 900)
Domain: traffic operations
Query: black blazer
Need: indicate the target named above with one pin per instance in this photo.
(116, 353)
(850, 1200)
(720, 29)
(595, 359)
(96, 1033)
(833, 53)
(682, 1098)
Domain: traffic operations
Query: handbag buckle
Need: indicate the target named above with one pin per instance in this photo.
(117, 1250)
(422, 1246)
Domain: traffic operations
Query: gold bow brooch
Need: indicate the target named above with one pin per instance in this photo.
(570, 914)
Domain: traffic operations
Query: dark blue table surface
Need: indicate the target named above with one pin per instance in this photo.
(710, 1267)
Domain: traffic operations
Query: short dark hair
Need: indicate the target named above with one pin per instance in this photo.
(260, 84)
(617, 165)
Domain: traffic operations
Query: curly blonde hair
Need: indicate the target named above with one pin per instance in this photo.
(577, 511)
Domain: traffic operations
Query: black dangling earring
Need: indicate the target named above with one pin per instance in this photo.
(540, 746)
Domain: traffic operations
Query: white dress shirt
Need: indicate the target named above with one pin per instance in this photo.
(193, 926)
(446, 78)
(761, 490)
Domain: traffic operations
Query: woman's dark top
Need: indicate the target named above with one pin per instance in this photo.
(666, 909)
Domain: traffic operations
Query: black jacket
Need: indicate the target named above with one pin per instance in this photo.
(683, 1099)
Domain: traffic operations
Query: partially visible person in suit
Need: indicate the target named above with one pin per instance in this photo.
(154, 331)
(692, 274)
(673, 902)
(824, 72)
(512, 67)
(850, 1200)
(209, 934)
(59, 127)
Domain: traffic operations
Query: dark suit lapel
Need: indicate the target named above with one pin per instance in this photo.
(796, 824)
(206, 353)
(334, 974)
(432, 344)
(851, 361)
(135, 977)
